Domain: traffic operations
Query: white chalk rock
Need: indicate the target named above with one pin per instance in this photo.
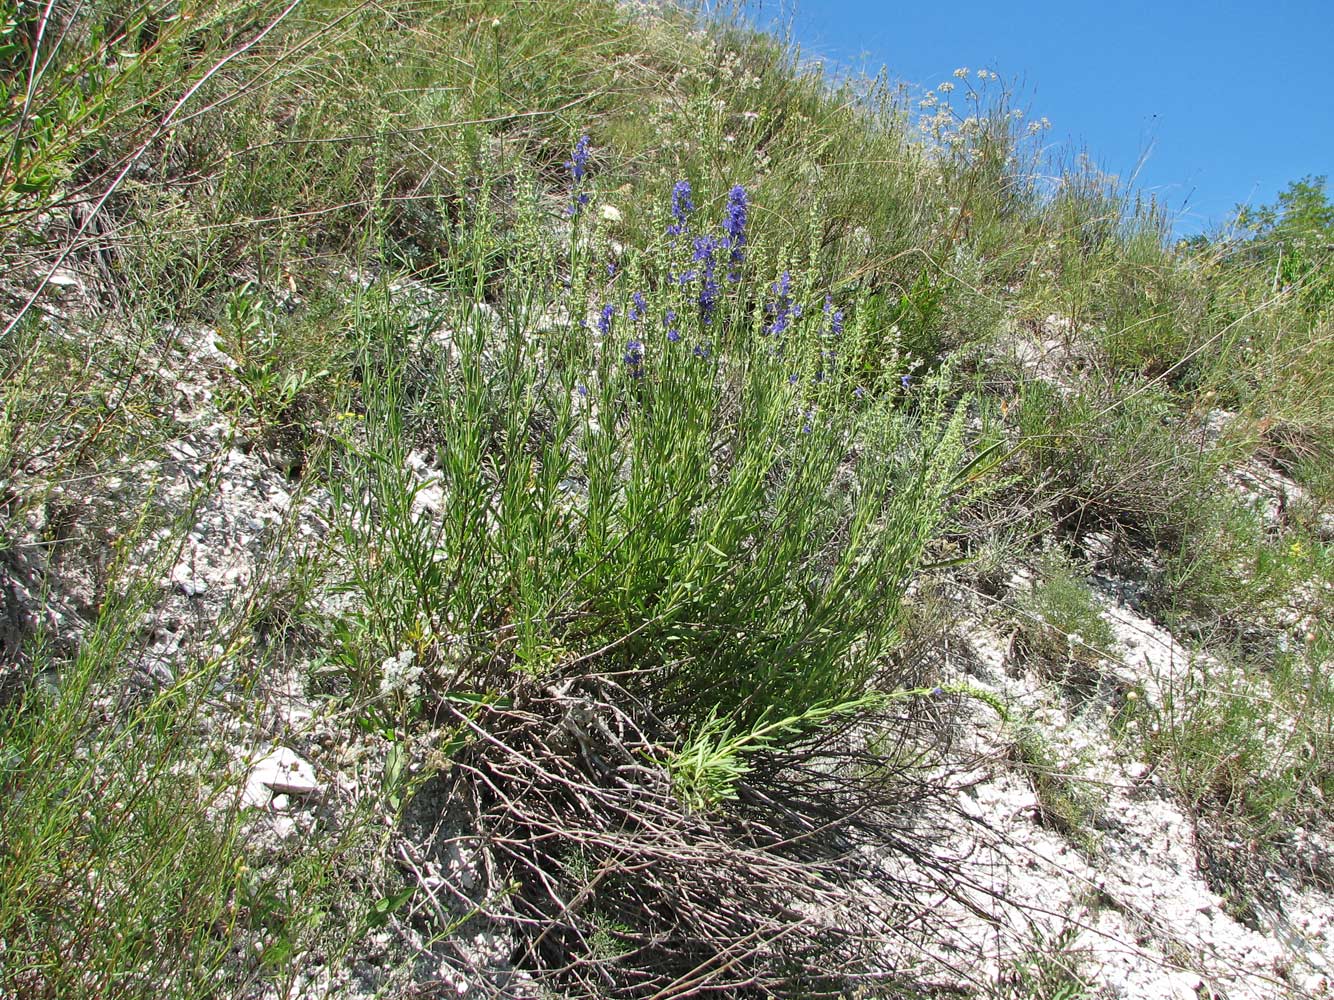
(187, 583)
(280, 772)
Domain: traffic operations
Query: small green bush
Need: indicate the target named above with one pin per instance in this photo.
(1061, 626)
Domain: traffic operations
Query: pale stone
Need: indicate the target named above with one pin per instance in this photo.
(279, 772)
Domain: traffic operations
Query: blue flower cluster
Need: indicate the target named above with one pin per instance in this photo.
(634, 358)
(783, 311)
(734, 225)
(577, 165)
(711, 255)
(835, 316)
(707, 250)
(782, 308)
(682, 206)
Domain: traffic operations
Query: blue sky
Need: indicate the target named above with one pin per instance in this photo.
(1217, 103)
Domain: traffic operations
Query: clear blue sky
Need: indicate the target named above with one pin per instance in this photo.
(1225, 101)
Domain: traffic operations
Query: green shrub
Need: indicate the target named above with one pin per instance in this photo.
(706, 492)
(1061, 625)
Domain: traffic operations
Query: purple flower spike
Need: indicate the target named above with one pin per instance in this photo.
(577, 164)
(682, 206)
(579, 202)
(634, 358)
(604, 320)
(705, 248)
(835, 316)
(734, 225)
(781, 309)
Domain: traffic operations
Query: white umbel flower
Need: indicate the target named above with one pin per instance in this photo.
(401, 673)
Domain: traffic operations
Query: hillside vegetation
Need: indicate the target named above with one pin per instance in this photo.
(513, 498)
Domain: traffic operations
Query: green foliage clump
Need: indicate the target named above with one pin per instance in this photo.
(1249, 755)
(1061, 624)
(1050, 968)
(271, 390)
(127, 865)
(710, 492)
(1064, 802)
(1295, 238)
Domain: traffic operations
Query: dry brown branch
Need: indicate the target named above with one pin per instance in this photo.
(610, 887)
